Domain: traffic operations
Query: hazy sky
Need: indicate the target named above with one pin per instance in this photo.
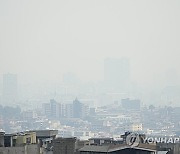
(42, 39)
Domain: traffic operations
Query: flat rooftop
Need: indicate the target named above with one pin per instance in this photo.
(45, 133)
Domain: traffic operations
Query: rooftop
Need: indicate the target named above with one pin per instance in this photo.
(111, 148)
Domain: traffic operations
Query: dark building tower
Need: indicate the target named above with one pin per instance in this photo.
(77, 109)
(47, 109)
(117, 74)
(10, 88)
(54, 108)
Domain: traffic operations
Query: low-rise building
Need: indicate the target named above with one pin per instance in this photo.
(64, 145)
(19, 139)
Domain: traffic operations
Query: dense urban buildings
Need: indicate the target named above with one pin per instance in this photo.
(48, 142)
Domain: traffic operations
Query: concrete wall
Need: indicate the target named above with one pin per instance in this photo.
(33, 149)
(176, 149)
(174, 146)
(27, 149)
(12, 150)
(64, 145)
(1, 139)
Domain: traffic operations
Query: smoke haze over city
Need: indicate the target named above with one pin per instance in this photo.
(42, 40)
(97, 76)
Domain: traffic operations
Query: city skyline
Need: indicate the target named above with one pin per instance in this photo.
(89, 77)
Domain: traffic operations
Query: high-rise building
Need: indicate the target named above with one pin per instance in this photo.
(10, 89)
(54, 108)
(77, 108)
(117, 74)
(69, 110)
(47, 109)
(80, 110)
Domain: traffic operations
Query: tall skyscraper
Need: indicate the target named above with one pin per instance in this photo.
(47, 109)
(117, 74)
(54, 108)
(80, 110)
(69, 110)
(10, 89)
(77, 108)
